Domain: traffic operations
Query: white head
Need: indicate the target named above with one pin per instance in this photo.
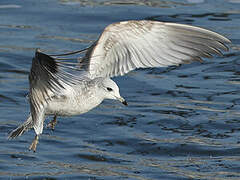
(111, 90)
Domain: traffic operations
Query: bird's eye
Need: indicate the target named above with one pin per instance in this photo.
(109, 89)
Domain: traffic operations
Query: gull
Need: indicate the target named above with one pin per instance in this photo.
(65, 88)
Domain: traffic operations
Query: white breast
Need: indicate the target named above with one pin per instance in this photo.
(75, 101)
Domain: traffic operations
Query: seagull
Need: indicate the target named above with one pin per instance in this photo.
(59, 87)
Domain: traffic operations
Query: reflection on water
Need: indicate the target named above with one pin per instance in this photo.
(186, 167)
(181, 123)
(151, 3)
(9, 6)
(67, 39)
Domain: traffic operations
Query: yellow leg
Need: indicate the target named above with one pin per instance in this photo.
(33, 146)
(52, 123)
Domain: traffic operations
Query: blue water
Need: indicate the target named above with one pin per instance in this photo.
(181, 122)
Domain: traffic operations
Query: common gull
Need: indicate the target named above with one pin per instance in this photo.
(122, 47)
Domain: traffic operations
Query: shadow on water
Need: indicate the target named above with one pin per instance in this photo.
(181, 123)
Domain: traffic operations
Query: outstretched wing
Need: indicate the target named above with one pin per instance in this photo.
(128, 45)
(47, 79)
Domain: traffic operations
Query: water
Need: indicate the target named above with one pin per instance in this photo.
(181, 123)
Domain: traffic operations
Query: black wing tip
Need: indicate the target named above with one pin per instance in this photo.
(46, 61)
(16, 132)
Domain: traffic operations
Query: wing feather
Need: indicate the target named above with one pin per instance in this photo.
(128, 45)
(46, 79)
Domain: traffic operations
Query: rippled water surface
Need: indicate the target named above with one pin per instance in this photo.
(181, 123)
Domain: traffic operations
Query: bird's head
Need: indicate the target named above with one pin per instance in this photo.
(111, 90)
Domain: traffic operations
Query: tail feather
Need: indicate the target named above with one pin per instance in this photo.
(28, 124)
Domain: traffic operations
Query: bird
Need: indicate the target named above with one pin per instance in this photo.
(59, 87)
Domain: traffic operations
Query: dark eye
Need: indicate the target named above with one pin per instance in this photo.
(109, 89)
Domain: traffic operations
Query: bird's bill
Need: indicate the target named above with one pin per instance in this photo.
(123, 101)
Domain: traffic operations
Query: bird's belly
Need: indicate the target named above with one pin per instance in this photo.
(71, 107)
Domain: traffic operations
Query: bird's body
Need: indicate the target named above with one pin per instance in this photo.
(75, 100)
(122, 47)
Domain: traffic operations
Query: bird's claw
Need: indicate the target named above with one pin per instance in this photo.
(52, 123)
(33, 146)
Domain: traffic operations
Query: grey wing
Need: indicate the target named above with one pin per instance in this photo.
(46, 80)
(128, 45)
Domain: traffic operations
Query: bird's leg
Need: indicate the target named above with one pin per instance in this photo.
(33, 146)
(53, 122)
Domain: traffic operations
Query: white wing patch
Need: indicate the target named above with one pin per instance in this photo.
(127, 45)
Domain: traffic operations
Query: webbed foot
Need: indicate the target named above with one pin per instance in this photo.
(52, 123)
(33, 146)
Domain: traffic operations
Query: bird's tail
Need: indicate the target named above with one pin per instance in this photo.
(28, 124)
